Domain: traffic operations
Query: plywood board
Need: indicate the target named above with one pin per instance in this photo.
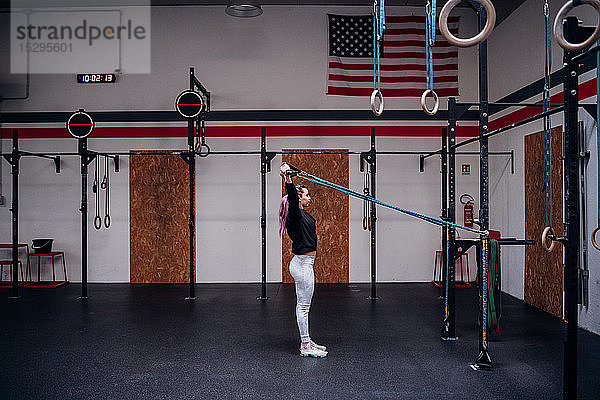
(159, 213)
(330, 209)
(543, 270)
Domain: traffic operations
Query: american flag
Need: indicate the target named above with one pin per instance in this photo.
(403, 68)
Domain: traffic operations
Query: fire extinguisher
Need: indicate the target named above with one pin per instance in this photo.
(467, 200)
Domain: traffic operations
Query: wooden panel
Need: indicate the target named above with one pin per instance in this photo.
(330, 209)
(543, 270)
(159, 214)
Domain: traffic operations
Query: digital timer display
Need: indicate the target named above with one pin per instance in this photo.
(96, 78)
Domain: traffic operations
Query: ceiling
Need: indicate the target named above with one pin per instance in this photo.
(503, 7)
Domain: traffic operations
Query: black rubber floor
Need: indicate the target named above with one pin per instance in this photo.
(148, 342)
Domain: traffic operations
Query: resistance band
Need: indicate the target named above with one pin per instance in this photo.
(484, 285)
(311, 178)
(96, 190)
(547, 127)
(495, 308)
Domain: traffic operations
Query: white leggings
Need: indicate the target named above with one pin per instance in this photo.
(301, 268)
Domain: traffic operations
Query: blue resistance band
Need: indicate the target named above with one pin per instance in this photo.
(378, 31)
(323, 182)
(430, 41)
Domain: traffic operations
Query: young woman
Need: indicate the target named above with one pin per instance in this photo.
(301, 228)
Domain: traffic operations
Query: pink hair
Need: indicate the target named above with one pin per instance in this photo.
(284, 207)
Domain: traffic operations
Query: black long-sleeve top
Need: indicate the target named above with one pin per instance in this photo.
(301, 226)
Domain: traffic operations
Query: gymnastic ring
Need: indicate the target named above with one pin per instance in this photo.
(480, 37)
(107, 221)
(424, 102)
(594, 243)
(199, 151)
(545, 236)
(377, 94)
(97, 222)
(558, 26)
(365, 224)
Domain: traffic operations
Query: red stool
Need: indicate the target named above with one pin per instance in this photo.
(52, 255)
(459, 283)
(9, 263)
(9, 246)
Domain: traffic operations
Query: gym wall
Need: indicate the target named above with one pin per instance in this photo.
(275, 61)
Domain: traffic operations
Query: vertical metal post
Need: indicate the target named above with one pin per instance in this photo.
(584, 273)
(373, 162)
(192, 173)
(449, 326)
(15, 213)
(571, 224)
(263, 211)
(84, 158)
(483, 129)
(483, 360)
(444, 173)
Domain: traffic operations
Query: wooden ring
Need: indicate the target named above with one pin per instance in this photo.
(377, 110)
(545, 236)
(480, 37)
(594, 243)
(436, 99)
(558, 26)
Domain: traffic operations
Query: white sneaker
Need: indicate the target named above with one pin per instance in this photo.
(317, 346)
(312, 352)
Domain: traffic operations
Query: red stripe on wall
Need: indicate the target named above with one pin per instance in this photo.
(586, 90)
(133, 132)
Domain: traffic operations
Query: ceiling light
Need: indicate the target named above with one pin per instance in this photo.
(243, 8)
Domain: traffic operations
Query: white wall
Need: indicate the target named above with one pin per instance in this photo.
(516, 56)
(228, 209)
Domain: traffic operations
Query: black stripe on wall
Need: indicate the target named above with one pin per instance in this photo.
(228, 116)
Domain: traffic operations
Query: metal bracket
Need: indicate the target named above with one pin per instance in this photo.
(88, 157)
(116, 161)
(268, 157)
(461, 109)
(366, 156)
(187, 157)
(465, 245)
(13, 158)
